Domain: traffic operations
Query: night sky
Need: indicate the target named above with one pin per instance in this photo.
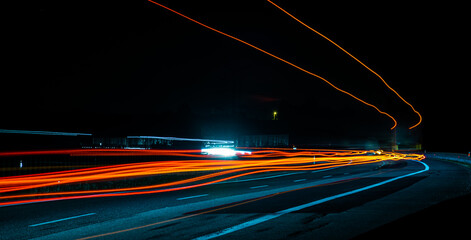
(131, 67)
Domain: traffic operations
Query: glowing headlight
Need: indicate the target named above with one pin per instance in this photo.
(225, 152)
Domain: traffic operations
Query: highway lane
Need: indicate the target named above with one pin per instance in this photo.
(207, 210)
(109, 208)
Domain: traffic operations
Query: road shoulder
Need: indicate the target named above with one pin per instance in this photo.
(445, 218)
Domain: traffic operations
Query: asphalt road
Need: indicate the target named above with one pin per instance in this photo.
(339, 203)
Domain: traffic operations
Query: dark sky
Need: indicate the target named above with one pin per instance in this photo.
(133, 66)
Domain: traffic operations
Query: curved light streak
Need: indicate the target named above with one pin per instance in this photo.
(17, 189)
(281, 59)
(356, 59)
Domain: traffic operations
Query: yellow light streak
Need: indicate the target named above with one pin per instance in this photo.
(212, 171)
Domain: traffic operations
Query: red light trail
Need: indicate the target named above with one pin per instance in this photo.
(356, 59)
(281, 59)
(205, 169)
(210, 170)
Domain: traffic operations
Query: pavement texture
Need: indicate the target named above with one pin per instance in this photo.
(434, 201)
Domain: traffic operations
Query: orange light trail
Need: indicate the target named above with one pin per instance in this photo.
(211, 170)
(280, 59)
(356, 59)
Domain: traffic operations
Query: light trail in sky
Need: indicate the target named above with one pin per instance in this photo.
(356, 59)
(281, 59)
(206, 170)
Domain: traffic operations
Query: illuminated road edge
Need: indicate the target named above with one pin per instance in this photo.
(300, 207)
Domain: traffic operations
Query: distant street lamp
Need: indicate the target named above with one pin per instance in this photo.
(274, 115)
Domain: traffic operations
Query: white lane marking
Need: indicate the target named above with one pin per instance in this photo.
(300, 180)
(183, 198)
(327, 169)
(104, 194)
(60, 220)
(328, 176)
(382, 164)
(260, 178)
(297, 208)
(261, 186)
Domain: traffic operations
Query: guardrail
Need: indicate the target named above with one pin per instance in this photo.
(457, 157)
